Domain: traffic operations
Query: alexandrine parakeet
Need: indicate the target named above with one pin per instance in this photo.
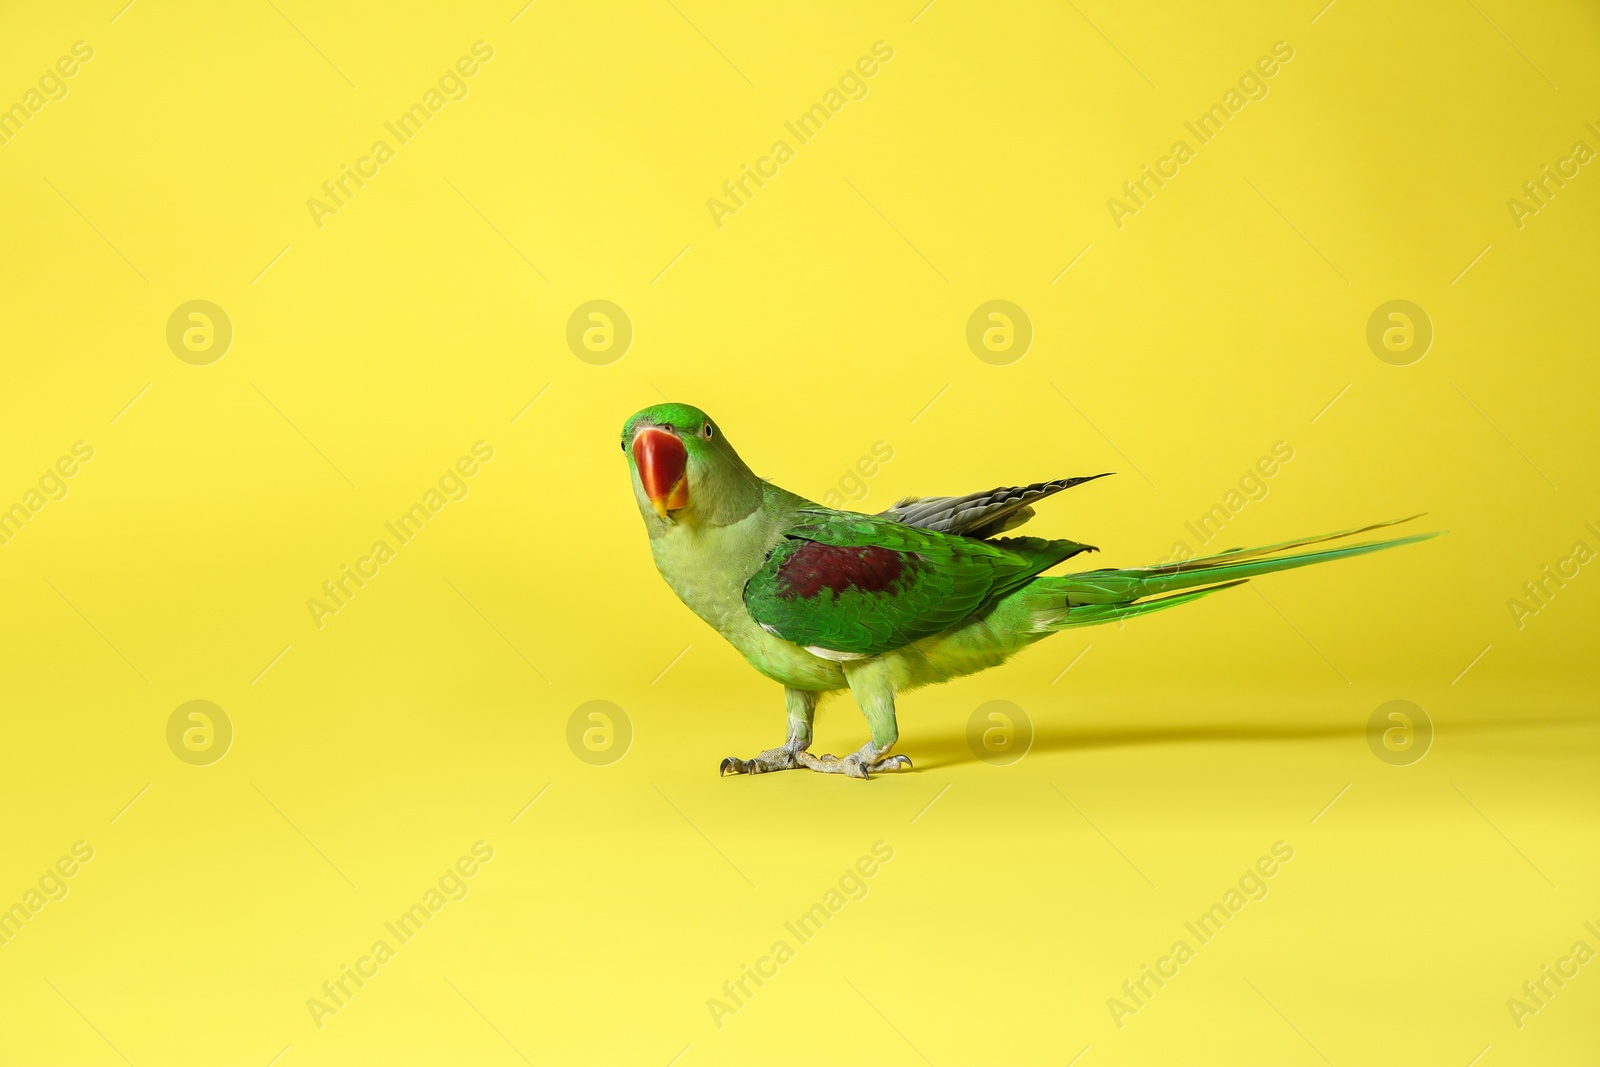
(821, 600)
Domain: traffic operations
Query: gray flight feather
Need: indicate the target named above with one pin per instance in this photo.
(985, 514)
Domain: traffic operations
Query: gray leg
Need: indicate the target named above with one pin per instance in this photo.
(873, 688)
(802, 707)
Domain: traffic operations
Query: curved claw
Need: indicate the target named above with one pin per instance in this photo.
(854, 765)
(774, 759)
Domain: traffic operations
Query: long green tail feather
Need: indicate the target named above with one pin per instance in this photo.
(1284, 546)
(1094, 614)
(1112, 594)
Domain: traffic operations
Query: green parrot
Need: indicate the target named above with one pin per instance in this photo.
(821, 600)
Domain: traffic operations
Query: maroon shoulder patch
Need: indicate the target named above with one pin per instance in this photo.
(814, 567)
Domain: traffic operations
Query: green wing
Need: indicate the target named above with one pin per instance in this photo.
(863, 584)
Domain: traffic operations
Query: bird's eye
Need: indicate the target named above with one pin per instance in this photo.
(624, 446)
(706, 431)
(667, 426)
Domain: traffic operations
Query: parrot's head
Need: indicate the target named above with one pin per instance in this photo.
(684, 470)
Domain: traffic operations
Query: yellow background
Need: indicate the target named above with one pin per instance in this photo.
(821, 319)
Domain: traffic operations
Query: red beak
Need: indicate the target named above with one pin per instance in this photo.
(663, 462)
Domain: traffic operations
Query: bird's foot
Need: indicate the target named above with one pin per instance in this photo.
(782, 758)
(859, 764)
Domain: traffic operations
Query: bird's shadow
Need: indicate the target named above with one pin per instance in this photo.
(951, 749)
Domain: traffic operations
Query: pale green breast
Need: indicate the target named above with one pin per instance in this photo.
(708, 567)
